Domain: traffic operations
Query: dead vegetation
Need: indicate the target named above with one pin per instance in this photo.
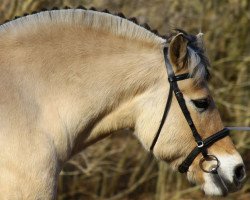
(118, 168)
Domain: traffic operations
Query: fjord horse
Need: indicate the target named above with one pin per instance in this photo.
(72, 77)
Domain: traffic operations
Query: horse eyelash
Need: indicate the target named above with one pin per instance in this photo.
(201, 104)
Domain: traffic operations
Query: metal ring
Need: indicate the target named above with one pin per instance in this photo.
(200, 144)
(207, 159)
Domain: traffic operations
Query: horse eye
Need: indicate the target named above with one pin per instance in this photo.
(201, 104)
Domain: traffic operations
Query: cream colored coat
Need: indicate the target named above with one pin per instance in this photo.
(70, 78)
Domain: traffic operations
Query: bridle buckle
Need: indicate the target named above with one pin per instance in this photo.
(200, 144)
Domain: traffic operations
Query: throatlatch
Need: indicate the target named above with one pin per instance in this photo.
(202, 145)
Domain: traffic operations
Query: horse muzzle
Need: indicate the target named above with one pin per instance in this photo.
(223, 175)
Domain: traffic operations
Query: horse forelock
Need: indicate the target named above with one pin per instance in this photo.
(198, 63)
(198, 66)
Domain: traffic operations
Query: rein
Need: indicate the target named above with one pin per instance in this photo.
(238, 128)
(202, 144)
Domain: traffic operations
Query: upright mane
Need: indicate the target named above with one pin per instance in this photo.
(118, 25)
(115, 24)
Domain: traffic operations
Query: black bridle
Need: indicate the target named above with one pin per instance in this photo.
(202, 144)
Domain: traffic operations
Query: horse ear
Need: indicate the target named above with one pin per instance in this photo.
(199, 37)
(178, 51)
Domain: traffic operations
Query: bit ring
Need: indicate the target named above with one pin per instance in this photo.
(208, 158)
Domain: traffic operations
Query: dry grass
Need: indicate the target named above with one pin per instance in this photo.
(118, 168)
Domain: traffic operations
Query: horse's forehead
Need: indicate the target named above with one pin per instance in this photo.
(192, 90)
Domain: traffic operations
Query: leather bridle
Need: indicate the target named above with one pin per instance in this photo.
(202, 144)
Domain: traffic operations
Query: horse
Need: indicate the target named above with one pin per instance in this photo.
(72, 77)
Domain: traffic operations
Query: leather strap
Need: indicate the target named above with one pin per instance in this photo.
(179, 77)
(207, 143)
(179, 96)
(186, 113)
(202, 145)
(167, 108)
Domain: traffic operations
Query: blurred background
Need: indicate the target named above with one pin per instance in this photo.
(118, 168)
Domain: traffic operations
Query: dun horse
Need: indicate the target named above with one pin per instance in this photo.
(72, 77)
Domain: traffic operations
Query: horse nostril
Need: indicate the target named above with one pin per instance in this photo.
(239, 173)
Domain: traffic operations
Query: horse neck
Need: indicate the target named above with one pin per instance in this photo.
(92, 81)
(118, 72)
(122, 73)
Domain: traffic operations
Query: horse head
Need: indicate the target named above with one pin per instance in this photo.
(191, 136)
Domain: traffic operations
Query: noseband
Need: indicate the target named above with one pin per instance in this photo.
(202, 144)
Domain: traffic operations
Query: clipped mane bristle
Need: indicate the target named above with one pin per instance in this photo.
(155, 32)
(44, 9)
(93, 8)
(133, 19)
(119, 14)
(146, 26)
(81, 7)
(166, 37)
(105, 11)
